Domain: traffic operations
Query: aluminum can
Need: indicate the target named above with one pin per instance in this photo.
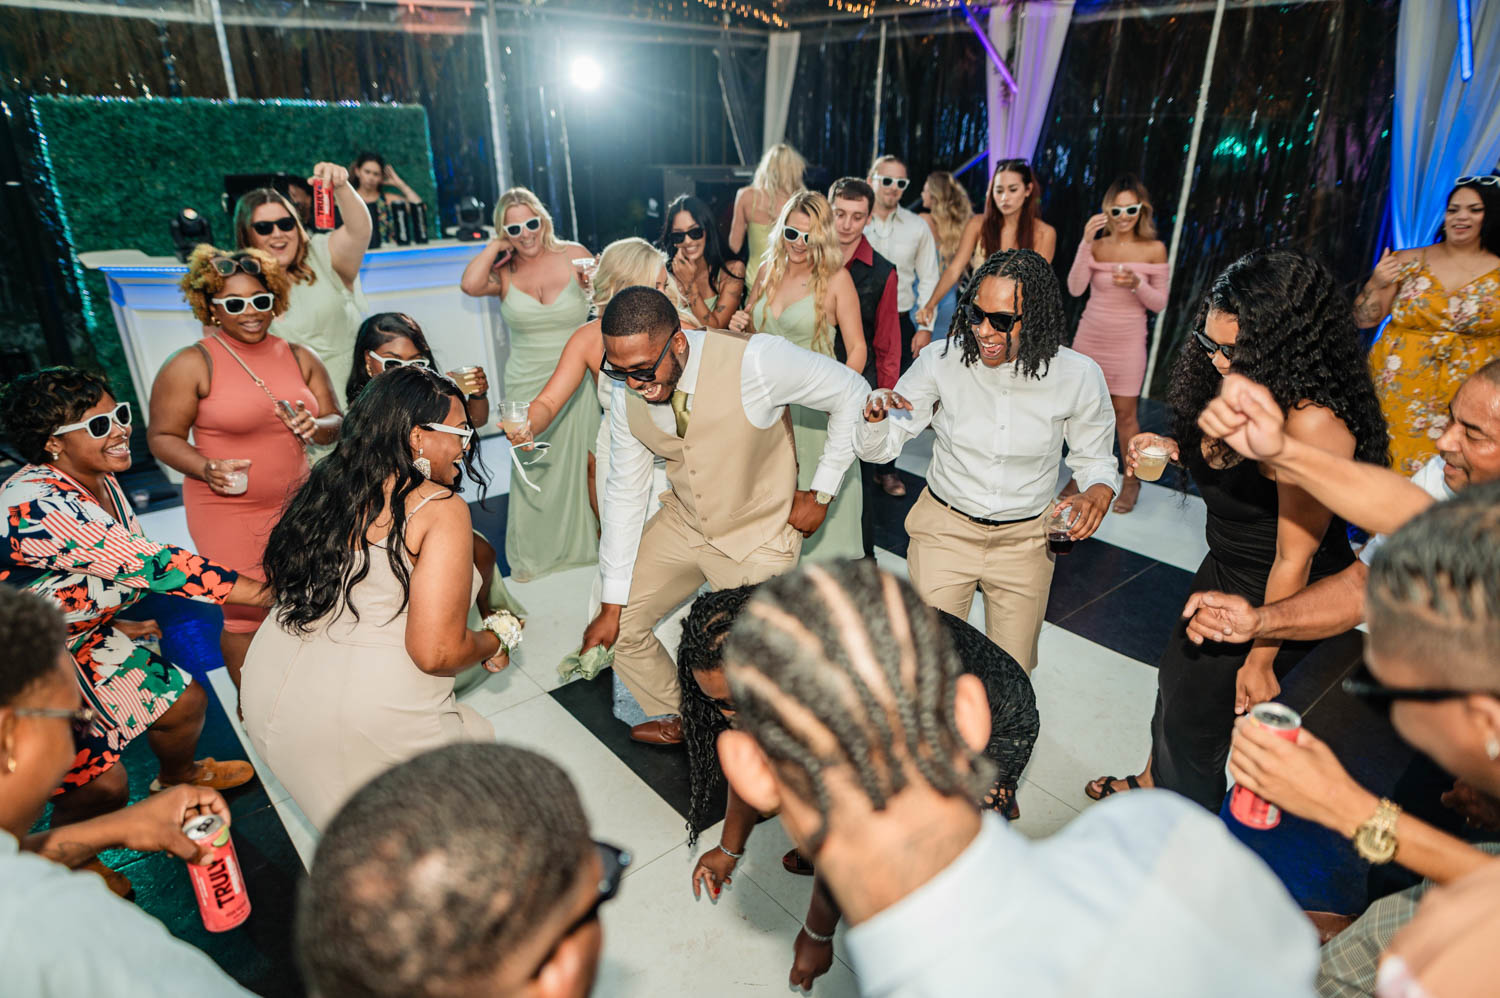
(322, 205)
(219, 885)
(1251, 810)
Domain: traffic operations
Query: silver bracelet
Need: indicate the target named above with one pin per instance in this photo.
(814, 936)
(731, 855)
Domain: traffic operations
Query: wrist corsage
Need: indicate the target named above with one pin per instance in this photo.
(507, 627)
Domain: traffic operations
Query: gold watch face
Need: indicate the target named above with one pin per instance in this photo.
(1375, 844)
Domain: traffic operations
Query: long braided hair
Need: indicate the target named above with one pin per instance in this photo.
(855, 649)
(703, 633)
(1041, 305)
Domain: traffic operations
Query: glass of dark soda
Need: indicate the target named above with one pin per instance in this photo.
(1058, 523)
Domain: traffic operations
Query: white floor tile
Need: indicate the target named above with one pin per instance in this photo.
(501, 691)
(557, 608)
(622, 809)
(1041, 813)
(659, 941)
(1166, 525)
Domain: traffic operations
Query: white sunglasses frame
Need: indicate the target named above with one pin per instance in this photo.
(467, 432)
(532, 224)
(1115, 210)
(900, 183)
(84, 425)
(803, 236)
(387, 362)
(249, 301)
(1482, 179)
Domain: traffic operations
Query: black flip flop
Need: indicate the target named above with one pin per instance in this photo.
(1109, 787)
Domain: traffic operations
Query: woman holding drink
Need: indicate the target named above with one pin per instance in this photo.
(1278, 318)
(540, 282)
(253, 402)
(389, 340)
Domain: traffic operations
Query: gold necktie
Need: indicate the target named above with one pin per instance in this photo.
(680, 410)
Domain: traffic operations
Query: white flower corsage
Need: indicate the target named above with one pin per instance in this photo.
(507, 627)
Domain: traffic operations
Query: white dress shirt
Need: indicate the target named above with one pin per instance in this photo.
(775, 373)
(906, 241)
(1429, 478)
(999, 433)
(1142, 896)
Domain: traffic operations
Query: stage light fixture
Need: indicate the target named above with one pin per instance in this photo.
(469, 214)
(586, 73)
(188, 230)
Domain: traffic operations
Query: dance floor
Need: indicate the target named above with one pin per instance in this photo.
(1114, 601)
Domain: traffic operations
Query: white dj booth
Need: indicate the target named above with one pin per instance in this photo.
(154, 320)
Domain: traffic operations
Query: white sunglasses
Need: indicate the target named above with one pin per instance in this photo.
(235, 304)
(897, 182)
(792, 235)
(467, 432)
(530, 225)
(1131, 210)
(100, 425)
(386, 363)
(1484, 181)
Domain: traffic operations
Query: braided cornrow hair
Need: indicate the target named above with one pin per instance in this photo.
(1041, 308)
(856, 649)
(703, 632)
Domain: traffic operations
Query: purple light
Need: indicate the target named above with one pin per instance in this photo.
(984, 39)
(1465, 41)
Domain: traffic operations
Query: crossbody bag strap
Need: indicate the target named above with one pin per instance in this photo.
(239, 360)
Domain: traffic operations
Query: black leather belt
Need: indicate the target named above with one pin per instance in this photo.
(977, 519)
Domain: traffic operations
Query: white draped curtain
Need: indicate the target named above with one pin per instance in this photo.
(781, 72)
(1443, 127)
(1029, 34)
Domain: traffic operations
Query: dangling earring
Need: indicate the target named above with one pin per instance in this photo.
(1492, 748)
(423, 466)
(53, 455)
(10, 764)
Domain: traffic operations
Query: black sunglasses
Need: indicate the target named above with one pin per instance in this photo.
(82, 717)
(678, 238)
(285, 223)
(1210, 347)
(227, 265)
(639, 373)
(1000, 322)
(615, 861)
(1362, 683)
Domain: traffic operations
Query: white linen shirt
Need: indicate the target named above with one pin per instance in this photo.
(906, 241)
(775, 373)
(999, 433)
(1142, 896)
(1429, 478)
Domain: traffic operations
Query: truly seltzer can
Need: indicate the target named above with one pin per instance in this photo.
(323, 217)
(1252, 810)
(218, 884)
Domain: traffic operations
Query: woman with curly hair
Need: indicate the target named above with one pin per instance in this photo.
(1001, 424)
(253, 403)
(804, 294)
(707, 709)
(1277, 318)
(778, 176)
(373, 574)
(69, 535)
(324, 302)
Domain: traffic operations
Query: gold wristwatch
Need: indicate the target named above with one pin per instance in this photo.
(1375, 840)
(823, 498)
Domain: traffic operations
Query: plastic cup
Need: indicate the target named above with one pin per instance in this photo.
(238, 480)
(513, 415)
(1059, 541)
(468, 380)
(1151, 461)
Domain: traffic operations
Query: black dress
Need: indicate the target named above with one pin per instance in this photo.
(1014, 722)
(1194, 718)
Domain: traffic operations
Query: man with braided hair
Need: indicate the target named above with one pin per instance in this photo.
(467, 870)
(855, 723)
(1001, 425)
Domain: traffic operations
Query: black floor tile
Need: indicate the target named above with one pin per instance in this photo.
(1090, 570)
(664, 768)
(1136, 619)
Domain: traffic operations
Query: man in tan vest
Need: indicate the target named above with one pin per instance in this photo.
(712, 403)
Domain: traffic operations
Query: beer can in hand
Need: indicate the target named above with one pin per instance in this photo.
(219, 884)
(322, 205)
(1252, 810)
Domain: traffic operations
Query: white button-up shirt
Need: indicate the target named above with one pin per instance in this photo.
(999, 433)
(1143, 896)
(775, 373)
(906, 241)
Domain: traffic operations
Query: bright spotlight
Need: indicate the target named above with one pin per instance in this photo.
(587, 74)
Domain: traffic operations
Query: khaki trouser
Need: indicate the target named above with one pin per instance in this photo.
(950, 555)
(673, 562)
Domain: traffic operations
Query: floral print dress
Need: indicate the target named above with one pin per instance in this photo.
(58, 541)
(1436, 339)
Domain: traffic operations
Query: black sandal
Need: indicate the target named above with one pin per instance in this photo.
(1108, 786)
(1002, 800)
(794, 862)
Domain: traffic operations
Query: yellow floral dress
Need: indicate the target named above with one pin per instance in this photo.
(1435, 340)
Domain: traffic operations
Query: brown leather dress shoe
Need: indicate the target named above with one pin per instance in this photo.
(665, 731)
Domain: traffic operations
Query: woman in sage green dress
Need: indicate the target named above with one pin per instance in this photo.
(806, 296)
(543, 301)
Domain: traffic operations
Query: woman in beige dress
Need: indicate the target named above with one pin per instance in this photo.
(354, 672)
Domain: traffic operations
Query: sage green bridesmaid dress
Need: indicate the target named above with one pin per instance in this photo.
(839, 536)
(551, 529)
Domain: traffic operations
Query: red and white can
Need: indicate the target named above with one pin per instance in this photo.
(1251, 809)
(322, 205)
(219, 884)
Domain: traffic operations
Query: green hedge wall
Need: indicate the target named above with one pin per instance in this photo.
(118, 170)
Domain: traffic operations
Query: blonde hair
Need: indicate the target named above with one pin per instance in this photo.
(876, 163)
(203, 282)
(1144, 226)
(779, 172)
(951, 210)
(823, 249)
(630, 261)
(523, 197)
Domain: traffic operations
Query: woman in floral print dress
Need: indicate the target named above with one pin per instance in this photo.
(1444, 304)
(70, 535)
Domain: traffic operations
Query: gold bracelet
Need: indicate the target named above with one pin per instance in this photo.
(1375, 840)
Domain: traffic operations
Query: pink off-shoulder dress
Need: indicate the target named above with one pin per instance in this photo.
(1113, 328)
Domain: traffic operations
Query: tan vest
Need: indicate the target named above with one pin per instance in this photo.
(731, 478)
